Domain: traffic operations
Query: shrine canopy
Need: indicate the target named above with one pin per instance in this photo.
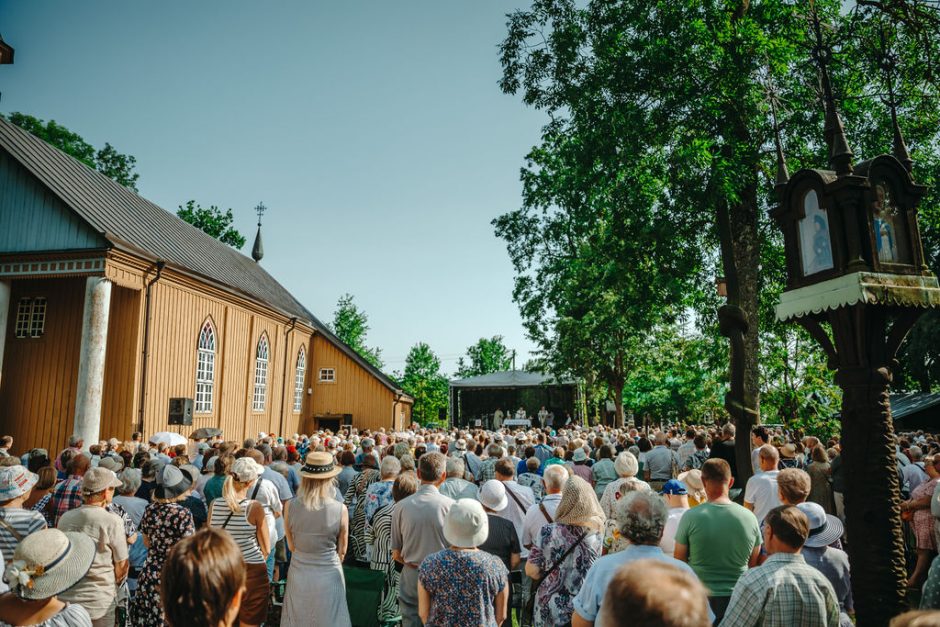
(478, 398)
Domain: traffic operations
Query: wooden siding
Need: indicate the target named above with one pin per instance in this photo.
(122, 365)
(37, 394)
(356, 391)
(33, 219)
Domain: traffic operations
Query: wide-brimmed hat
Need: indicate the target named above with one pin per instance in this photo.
(319, 466)
(788, 451)
(114, 464)
(15, 481)
(492, 494)
(466, 524)
(579, 455)
(461, 445)
(173, 482)
(49, 562)
(824, 529)
(98, 480)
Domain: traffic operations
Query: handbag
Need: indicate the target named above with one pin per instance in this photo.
(529, 609)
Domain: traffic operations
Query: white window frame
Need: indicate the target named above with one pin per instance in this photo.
(300, 373)
(30, 317)
(205, 369)
(327, 375)
(262, 355)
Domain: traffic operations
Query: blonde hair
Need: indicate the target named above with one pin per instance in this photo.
(313, 492)
(228, 492)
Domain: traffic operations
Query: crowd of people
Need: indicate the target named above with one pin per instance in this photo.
(578, 526)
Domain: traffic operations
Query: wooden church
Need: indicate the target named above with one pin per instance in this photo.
(113, 312)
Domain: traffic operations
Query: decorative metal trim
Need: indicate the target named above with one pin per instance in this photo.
(52, 267)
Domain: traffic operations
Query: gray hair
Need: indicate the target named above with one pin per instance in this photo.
(916, 453)
(642, 517)
(728, 430)
(407, 463)
(456, 467)
(555, 477)
(390, 467)
(130, 480)
(495, 450)
(281, 468)
(74, 440)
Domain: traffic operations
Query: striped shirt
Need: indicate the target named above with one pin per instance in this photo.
(16, 521)
(243, 532)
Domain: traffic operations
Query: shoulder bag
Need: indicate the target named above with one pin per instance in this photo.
(530, 602)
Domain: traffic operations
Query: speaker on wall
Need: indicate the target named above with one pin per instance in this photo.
(181, 411)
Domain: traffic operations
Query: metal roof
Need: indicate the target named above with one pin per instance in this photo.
(903, 405)
(132, 223)
(509, 379)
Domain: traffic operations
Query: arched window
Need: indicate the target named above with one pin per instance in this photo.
(299, 374)
(205, 369)
(261, 374)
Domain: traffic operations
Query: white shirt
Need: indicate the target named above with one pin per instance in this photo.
(534, 519)
(668, 541)
(268, 496)
(512, 512)
(762, 493)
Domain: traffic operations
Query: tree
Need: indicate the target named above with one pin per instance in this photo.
(424, 381)
(351, 325)
(212, 221)
(486, 356)
(107, 160)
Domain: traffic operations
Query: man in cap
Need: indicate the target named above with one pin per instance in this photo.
(801, 594)
(97, 591)
(418, 531)
(676, 496)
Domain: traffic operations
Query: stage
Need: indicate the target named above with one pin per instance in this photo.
(478, 398)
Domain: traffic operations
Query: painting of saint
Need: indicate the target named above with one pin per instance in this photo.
(884, 220)
(815, 239)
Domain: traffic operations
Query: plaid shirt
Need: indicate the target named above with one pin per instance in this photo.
(784, 591)
(66, 497)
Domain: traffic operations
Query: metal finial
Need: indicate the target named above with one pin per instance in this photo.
(840, 155)
(888, 63)
(257, 251)
(783, 175)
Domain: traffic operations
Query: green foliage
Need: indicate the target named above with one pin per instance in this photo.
(351, 325)
(107, 160)
(212, 221)
(486, 356)
(424, 381)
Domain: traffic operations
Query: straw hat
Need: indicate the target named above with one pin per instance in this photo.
(15, 481)
(466, 525)
(492, 494)
(49, 562)
(319, 466)
(579, 506)
(788, 451)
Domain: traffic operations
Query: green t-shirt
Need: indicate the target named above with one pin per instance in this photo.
(721, 538)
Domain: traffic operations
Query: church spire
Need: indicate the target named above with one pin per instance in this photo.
(257, 251)
(840, 155)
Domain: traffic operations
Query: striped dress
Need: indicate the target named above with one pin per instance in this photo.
(379, 535)
(243, 532)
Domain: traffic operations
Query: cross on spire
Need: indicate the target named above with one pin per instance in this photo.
(257, 251)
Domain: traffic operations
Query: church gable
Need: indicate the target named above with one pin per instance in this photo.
(33, 219)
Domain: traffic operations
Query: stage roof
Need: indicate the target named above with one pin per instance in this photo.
(510, 379)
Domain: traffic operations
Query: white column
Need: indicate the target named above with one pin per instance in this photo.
(4, 319)
(91, 360)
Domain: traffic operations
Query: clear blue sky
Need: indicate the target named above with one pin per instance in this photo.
(374, 131)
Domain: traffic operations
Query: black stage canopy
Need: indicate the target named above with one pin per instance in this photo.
(478, 398)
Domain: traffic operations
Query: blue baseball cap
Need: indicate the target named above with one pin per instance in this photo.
(674, 486)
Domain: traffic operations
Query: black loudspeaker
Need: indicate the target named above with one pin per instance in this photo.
(441, 414)
(181, 411)
(347, 420)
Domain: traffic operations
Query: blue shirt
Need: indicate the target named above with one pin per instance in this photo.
(588, 602)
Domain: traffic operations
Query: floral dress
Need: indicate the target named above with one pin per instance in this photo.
(356, 498)
(555, 597)
(922, 521)
(378, 495)
(164, 524)
(463, 586)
